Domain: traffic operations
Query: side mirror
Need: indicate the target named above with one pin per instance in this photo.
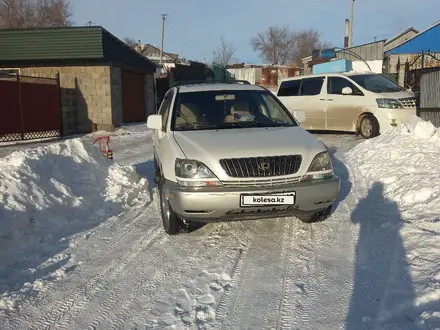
(347, 91)
(299, 115)
(154, 122)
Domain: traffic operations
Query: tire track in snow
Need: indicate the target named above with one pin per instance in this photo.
(23, 316)
(306, 290)
(326, 265)
(152, 273)
(78, 298)
(223, 240)
(287, 305)
(259, 276)
(108, 299)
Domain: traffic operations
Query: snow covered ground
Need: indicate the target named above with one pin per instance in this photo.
(82, 247)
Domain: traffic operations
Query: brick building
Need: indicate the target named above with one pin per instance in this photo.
(104, 82)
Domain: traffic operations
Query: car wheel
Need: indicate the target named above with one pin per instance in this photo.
(369, 127)
(315, 216)
(171, 222)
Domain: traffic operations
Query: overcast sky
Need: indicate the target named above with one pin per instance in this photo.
(194, 27)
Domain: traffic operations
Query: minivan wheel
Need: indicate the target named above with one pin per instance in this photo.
(171, 222)
(315, 216)
(369, 127)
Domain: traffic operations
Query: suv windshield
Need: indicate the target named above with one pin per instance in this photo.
(228, 109)
(376, 83)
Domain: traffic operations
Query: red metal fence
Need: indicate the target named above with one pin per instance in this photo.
(30, 108)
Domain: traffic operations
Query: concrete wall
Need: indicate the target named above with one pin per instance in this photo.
(86, 96)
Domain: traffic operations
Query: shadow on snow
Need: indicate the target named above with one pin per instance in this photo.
(382, 278)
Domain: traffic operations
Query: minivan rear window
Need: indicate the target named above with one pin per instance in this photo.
(311, 86)
(289, 88)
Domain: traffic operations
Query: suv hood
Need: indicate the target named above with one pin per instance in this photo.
(210, 146)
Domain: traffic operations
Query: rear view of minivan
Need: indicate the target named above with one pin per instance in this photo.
(365, 103)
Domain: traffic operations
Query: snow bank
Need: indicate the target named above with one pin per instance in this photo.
(69, 176)
(396, 180)
(53, 192)
(406, 161)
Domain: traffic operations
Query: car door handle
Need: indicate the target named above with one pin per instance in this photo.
(322, 99)
(329, 99)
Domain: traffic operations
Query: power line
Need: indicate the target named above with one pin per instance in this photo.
(180, 34)
(186, 40)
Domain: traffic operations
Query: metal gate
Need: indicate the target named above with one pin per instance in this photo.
(133, 97)
(30, 108)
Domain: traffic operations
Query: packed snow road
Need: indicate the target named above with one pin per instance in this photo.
(126, 273)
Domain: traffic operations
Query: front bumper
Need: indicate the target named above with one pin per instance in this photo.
(223, 204)
(390, 118)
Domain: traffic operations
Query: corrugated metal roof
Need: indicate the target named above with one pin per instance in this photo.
(410, 29)
(34, 46)
(426, 41)
(51, 44)
(369, 52)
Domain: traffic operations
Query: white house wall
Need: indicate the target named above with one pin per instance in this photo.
(376, 66)
(253, 75)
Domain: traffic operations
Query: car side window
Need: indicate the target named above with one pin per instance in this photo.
(164, 109)
(335, 85)
(271, 109)
(311, 86)
(289, 88)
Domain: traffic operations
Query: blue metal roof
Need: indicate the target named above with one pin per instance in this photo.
(428, 40)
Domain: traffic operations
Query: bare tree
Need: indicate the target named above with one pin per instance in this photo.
(275, 45)
(306, 42)
(279, 45)
(130, 42)
(34, 13)
(224, 53)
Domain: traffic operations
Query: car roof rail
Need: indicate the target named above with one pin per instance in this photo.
(197, 82)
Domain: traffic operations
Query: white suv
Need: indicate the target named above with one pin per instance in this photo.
(232, 151)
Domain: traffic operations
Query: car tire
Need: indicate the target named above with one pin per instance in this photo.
(170, 220)
(315, 216)
(369, 127)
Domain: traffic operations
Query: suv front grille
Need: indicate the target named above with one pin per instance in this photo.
(257, 167)
(409, 102)
(261, 183)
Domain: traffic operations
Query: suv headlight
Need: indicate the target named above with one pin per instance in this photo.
(320, 168)
(389, 104)
(192, 173)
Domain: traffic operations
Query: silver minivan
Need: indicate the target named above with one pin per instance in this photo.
(365, 103)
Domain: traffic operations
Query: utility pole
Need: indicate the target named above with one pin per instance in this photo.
(351, 23)
(164, 17)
